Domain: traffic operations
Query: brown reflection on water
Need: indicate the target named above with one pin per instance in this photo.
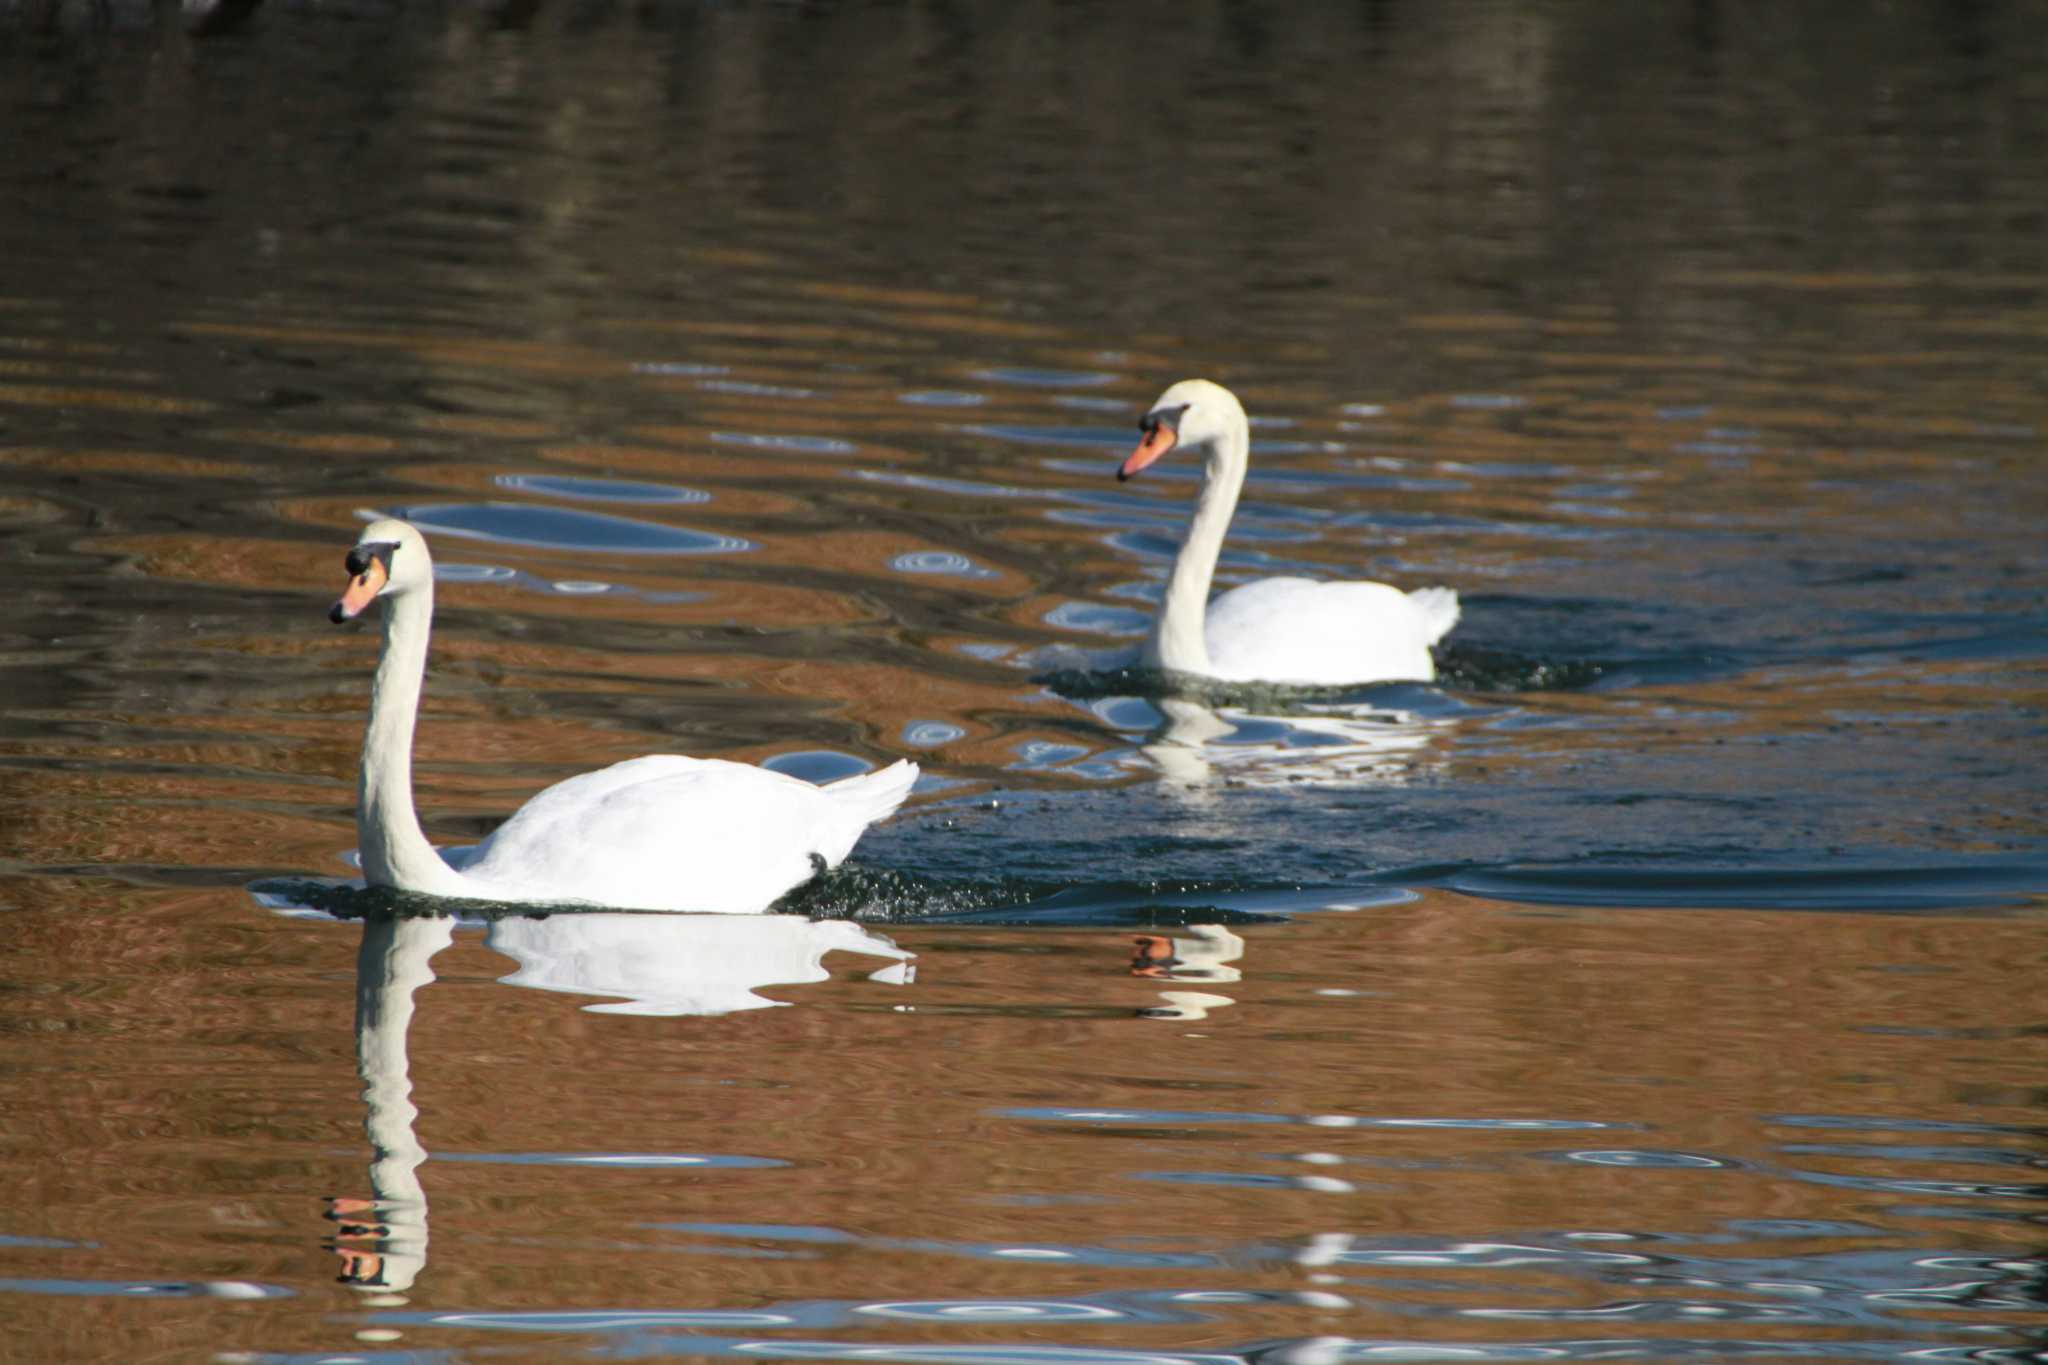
(1715, 331)
(119, 400)
(459, 353)
(181, 1025)
(156, 464)
(660, 675)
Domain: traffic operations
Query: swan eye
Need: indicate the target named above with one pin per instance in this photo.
(361, 556)
(1162, 417)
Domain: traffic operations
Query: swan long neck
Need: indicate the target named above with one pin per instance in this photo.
(395, 851)
(1178, 639)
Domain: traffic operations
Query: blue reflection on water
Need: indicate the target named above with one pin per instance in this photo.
(963, 487)
(1098, 619)
(1063, 1253)
(1044, 379)
(1055, 436)
(447, 571)
(601, 490)
(678, 368)
(1181, 1117)
(943, 398)
(940, 562)
(1666, 1161)
(927, 734)
(561, 528)
(750, 389)
(799, 444)
(817, 765)
(618, 1159)
(147, 1289)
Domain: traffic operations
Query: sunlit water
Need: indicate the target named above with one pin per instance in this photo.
(1659, 985)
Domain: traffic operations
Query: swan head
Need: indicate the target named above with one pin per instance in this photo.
(388, 559)
(1195, 414)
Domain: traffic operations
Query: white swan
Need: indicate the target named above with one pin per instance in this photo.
(662, 832)
(1279, 630)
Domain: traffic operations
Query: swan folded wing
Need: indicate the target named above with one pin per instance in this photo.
(862, 800)
(667, 832)
(1299, 630)
(1439, 610)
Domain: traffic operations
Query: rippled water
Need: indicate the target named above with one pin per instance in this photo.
(1660, 985)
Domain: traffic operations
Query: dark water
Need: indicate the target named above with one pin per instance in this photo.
(1663, 984)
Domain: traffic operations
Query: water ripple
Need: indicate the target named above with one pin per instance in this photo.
(749, 389)
(929, 734)
(993, 1310)
(1098, 619)
(601, 490)
(940, 562)
(1044, 379)
(617, 1159)
(1648, 1159)
(1062, 1253)
(446, 571)
(1054, 436)
(558, 528)
(147, 1289)
(678, 368)
(957, 487)
(942, 398)
(799, 444)
(1181, 1117)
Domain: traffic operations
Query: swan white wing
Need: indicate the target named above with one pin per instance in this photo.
(667, 832)
(1298, 630)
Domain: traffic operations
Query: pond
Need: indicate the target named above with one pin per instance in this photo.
(1652, 985)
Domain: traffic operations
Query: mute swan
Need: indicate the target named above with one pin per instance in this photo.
(661, 832)
(1278, 630)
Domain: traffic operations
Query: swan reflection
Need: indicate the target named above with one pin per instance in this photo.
(649, 963)
(1197, 746)
(1200, 952)
(667, 964)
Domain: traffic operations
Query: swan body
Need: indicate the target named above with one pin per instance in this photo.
(1276, 630)
(661, 832)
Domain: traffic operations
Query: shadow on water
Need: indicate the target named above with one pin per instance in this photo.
(1467, 668)
(885, 896)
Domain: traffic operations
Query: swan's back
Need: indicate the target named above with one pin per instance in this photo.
(1298, 630)
(667, 832)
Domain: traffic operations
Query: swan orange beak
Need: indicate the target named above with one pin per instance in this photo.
(1158, 440)
(361, 589)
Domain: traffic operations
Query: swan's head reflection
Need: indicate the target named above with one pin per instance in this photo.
(1197, 746)
(663, 964)
(1199, 952)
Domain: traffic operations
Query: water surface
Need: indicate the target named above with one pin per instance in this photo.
(1658, 985)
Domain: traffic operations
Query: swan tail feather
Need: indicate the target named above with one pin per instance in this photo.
(866, 799)
(1439, 608)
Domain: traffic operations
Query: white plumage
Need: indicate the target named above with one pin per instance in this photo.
(1277, 630)
(661, 832)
